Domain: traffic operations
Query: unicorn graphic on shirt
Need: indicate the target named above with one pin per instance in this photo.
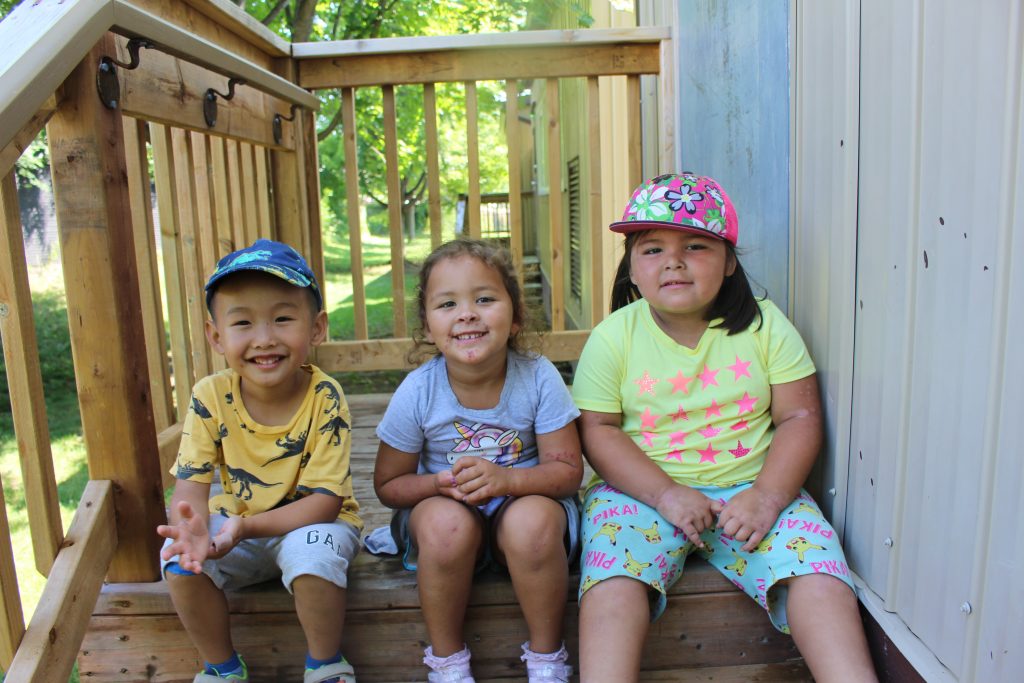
(503, 447)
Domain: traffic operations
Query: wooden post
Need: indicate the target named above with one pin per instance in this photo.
(107, 337)
(25, 383)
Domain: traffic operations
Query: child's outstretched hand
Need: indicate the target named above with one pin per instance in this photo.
(480, 480)
(191, 539)
(749, 516)
(689, 510)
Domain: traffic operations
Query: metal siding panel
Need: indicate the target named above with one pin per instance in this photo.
(884, 313)
(996, 623)
(951, 380)
(824, 236)
(734, 121)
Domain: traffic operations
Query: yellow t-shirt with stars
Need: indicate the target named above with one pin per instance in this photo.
(263, 467)
(702, 414)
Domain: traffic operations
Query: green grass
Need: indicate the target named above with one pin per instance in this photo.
(67, 445)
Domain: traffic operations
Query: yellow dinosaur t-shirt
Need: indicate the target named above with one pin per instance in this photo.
(263, 467)
(702, 414)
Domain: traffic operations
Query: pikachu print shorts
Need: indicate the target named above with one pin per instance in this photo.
(624, 537)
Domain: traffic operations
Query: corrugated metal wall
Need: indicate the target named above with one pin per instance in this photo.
(908, 282)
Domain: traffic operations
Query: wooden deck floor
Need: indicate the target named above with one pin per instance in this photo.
(710, 631)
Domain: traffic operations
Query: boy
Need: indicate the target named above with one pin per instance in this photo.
(278, 431)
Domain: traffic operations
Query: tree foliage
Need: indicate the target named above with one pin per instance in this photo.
(347, 20)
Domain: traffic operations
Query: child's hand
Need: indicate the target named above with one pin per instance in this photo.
(191, 539)
(689, 510)
(480, 480)
(446, 485)
(749, 516)
(228, 537)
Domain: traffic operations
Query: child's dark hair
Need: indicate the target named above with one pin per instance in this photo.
(735, 303)
(489, 254)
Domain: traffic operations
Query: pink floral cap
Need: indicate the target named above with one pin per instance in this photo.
(683, 201)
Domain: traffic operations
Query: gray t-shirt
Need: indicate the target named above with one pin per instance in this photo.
(425, 417)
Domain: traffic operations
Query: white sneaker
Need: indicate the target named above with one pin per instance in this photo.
(451, 669)
(546, 668)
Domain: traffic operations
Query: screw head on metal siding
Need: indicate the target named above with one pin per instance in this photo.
(888, 542)
(966, 608)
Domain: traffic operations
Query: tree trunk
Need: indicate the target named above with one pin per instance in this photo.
(302, 27)
(409, 219)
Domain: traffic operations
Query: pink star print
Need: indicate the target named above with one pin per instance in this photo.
(740, 368)
(649, 439)
(680, 415)
(647, 419)
(739, 451)
(646, 384)
(675, 455)
(708, 431)
(679, 382)
(742, 424)
(746, 403)
(707, 377)
(708, 454)
(677, 438)
(713, 409)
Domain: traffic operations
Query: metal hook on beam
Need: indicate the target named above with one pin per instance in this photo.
(210, 100)
(276, 126)
(107, 84)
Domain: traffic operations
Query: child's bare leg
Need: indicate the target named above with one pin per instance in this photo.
(614, 619)
(203, 611)
(448, 537)
(320, 606)
(530, 536)
(827, 628)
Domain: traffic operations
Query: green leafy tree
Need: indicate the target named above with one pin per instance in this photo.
(308, 20)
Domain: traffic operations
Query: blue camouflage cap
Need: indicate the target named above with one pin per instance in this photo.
(270, 257)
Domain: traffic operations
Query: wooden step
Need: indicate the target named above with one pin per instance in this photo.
(710, 630)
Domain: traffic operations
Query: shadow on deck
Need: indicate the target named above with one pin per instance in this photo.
(709, 632)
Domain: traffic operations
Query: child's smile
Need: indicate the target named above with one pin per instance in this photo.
(468, 312)
(265, 327)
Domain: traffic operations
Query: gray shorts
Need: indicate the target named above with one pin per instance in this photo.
(322, 550)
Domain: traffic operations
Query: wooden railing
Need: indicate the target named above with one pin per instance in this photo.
(217, 188)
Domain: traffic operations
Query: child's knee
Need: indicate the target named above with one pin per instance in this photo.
(446, 528)
(534, 525)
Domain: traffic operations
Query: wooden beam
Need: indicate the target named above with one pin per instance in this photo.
(390, 354)
(471, 225)
(168, 442)
(433, 166)
(474, 42)
(515, 181)
(131, 21)
(177, 312)
(11, 152)
(107, 338)
(236, 196)
(669, 107)
(188, 244)
(137, 163)
(355, 226)
(51, 643)
(556, 226)
(266, 224)
(594, 188)
(394, 213)
(483, 65)
(12, 619)
(172, 91)
(634, 133)
(25, 383)
(43, 42)
(221, 198)
(313, 247)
